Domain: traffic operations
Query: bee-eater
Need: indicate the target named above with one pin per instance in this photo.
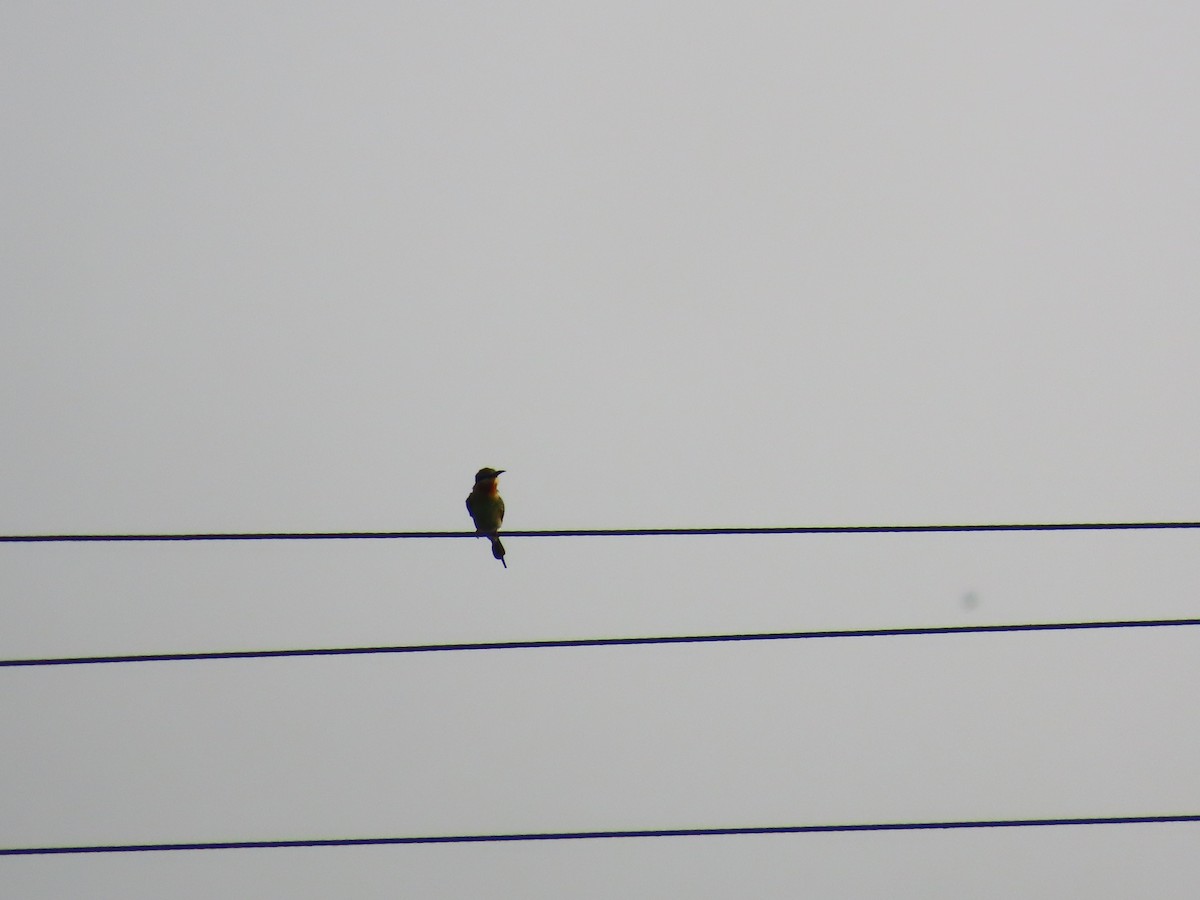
(486, 507)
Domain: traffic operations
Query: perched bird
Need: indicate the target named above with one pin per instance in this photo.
(486, 507)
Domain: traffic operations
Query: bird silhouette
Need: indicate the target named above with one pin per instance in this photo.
(486, 507)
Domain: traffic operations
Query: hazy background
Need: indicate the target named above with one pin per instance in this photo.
(283, 269)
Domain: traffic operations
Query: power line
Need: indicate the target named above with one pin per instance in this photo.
(595, 835)
(601, 642)
(599, 532)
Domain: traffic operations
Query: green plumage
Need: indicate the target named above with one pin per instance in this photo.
(487, 509)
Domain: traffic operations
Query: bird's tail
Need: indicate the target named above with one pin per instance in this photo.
(498, 549)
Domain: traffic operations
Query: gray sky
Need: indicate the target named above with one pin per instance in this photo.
(281, 269)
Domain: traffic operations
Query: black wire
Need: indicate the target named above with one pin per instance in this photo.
(598, 532)
(594, 835)
(601, 642)
(594, 642)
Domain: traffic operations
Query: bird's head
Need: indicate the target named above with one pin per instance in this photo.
(485, 475)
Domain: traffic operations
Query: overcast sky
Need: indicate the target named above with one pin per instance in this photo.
(280, 267)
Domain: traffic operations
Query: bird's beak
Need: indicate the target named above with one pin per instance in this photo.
(501, 471)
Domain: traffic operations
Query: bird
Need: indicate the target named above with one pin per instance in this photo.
(486, 507)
